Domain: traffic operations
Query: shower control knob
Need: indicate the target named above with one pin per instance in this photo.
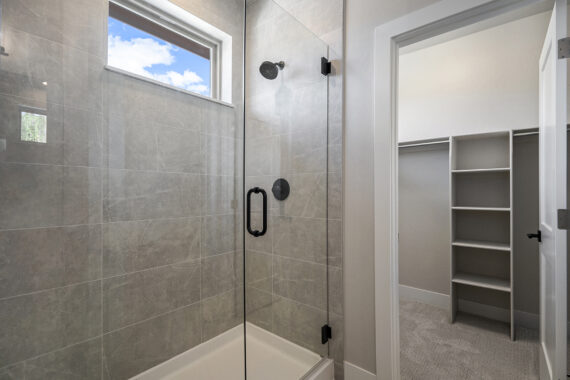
(281, 189)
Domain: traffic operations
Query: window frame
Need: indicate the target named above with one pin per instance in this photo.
(158, 18)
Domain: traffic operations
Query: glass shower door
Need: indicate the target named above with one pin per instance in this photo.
(285, 189)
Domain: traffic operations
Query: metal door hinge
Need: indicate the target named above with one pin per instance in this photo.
(325, 66)
(326, 334)
(564, 48)
(563, 219)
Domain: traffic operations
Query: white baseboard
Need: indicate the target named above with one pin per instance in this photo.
(410, 293)
(353, 372)
(440, 300)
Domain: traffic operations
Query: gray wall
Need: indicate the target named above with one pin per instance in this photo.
(118, 237)
(424, 224)
(424, 218)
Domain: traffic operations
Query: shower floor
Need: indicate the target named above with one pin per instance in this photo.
(222, 358)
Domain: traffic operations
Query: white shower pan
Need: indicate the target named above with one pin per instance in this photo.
(222, 358)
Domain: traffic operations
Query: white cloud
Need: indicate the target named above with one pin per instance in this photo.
(138, 55)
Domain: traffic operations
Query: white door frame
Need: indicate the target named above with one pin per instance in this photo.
(441, 17)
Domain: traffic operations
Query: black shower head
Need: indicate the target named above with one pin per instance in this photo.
(270, 70)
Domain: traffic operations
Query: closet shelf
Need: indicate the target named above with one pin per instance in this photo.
(489, 170)
(468, 208)
(482, 281)
(482, 245)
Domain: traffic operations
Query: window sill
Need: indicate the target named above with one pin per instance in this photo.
(164, 85)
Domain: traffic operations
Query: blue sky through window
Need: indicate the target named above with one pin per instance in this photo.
(141, 53)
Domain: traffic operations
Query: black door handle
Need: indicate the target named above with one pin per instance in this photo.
(257, 190)
(537, 235)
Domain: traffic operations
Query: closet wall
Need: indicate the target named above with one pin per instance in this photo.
(466, 85)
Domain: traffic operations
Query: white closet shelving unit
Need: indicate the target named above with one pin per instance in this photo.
(481, 216)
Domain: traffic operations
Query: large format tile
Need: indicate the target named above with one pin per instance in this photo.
(138, 245)
(41, 322)
(81, 361)
(13, 372)
(300, 238)
(259, 308)
(43, 195)
(82, 82)
(130, 142)
(222, 312)
(308, 197)
(218, 120)
(134, 195)
(299, 323)
(38, 259)
(221, 234)
(218, 155)
(32, 62)
(259, 270)
(81, 195)
(82, 137)
(301, 152)
(137, 348)
(300, 281)
(178, 150)
(74, 22)
(219, 195)
(138, 296)
(221, 273)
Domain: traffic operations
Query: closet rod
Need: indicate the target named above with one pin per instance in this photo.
(531, 133)
(423, 144)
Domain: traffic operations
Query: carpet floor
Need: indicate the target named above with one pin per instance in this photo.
(472, 348)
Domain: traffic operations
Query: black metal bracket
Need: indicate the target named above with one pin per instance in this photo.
(326, 333)
(326, 66)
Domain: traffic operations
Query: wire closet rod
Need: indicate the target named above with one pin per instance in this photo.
(423, 144)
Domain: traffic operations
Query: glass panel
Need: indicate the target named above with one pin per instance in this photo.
(120, 203)
(286, 138)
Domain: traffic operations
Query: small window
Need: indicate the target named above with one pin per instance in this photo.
(33, 125)
(143, 42)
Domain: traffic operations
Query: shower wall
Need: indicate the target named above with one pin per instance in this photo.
(120, 235)
(286, 136)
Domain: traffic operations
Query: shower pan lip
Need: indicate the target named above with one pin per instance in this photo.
(280, 356)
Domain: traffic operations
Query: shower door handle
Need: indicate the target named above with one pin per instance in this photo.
(257, 190)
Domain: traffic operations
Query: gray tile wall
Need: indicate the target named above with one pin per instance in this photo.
(286, 136)
(119, 243)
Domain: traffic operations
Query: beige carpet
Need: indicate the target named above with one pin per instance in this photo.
(471, 348)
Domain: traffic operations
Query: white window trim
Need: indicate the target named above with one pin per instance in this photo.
(179, 20)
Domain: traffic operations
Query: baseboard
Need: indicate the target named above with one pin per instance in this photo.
(353, 372)
(409, 293)
(440, 300)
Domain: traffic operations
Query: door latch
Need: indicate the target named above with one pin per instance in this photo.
(537, 235)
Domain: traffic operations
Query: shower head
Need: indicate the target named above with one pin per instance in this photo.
(270, 70)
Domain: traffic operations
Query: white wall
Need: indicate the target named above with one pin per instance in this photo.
(362, 16)
(486, 81)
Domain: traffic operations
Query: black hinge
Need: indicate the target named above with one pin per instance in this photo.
(325, 66)
(563, 219)
(326, 334)
(564, 48)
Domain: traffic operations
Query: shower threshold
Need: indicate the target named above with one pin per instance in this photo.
(222, 357)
